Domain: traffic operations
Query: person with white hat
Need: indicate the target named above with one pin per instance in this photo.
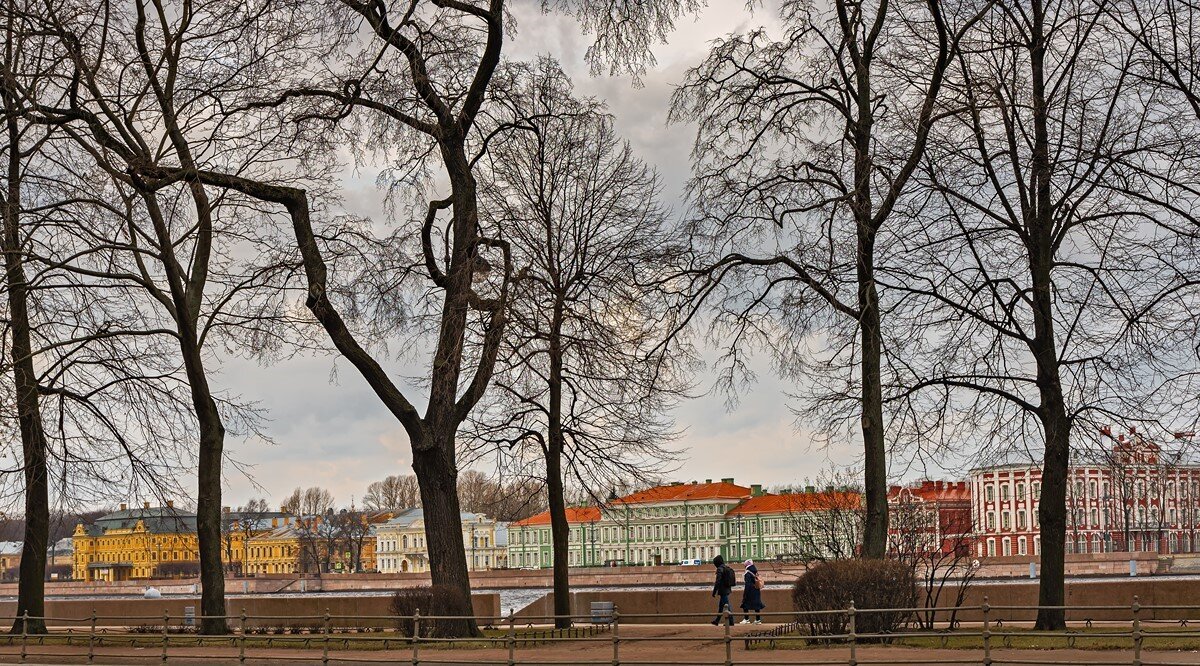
(752, 593)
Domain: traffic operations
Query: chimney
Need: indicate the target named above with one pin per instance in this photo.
(829, 489)
(170, 504)
(809, 489)
(708, 480)
(124, 506)
(225, 509)
(274, 523)
(756, 490)
(145, 505)
(727, 480)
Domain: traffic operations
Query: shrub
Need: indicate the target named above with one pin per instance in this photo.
(872, 584)
(433, 600)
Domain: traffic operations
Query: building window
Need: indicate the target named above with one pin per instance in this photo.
(1021, 521)
(989, 492)
(1020, 491)
(1021, 546)
(1004, 492)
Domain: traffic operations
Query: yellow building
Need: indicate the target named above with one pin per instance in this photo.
(317, 544)
(156, 542)
(135, 543)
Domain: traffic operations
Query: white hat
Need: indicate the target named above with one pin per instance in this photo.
(748, 563)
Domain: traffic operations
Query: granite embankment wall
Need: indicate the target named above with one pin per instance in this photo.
(289, 611)
(646, 606)
(1099, 564)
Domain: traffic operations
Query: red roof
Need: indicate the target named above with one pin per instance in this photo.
(677, 492)
(575, 514)
(818, 501)
(934, 491)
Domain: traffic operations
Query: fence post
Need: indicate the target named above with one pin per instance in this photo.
(242, 643)
(92, 637)
(416, 653)
(1137, 632)
(512, 638)
(616, 641)
(727, 620)
(325, 638)
(987, 634)
(166, 627)
(24, 633)
(853, 634)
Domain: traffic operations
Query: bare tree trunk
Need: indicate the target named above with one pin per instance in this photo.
(1053, 413)
(1057, 428)
(438, 480)
(560, 530)
(208, 497)
(31, 589)
(875, 522)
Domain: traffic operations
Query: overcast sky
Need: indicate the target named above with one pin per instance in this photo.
(335, 433)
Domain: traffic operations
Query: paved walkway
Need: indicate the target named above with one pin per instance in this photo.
(659, 644)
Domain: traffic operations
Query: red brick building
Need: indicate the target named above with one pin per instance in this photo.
(1128, 494)
(930, 515)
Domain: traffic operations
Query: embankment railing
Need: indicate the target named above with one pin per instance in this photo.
(609, 639)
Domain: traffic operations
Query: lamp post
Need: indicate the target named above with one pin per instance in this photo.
(740, 555)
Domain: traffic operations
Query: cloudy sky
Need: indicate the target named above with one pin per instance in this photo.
(330, 430)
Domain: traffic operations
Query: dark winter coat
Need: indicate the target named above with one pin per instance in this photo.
(720, 587)
(751, 596)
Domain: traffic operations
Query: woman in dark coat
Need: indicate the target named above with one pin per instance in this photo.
(751, 595)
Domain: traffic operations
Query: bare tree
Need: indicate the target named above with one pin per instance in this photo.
(935, 542)
(1038, 201)
(238, 526)
(826, 521)
(584, 382)
(392, 494)
(19, 142)
(355, 530)
(803, 149)
(173, 240)
(312, 501)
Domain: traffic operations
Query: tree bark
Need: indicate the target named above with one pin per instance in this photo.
(1052, 412)
(875, 521)
(31, 588)
(208, 498)
(438, 477)
(560, 529)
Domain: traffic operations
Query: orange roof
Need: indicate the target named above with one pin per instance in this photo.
(575, 514)
(678, 492)
(817, 501)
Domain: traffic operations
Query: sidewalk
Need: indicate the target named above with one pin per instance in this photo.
(702, 645)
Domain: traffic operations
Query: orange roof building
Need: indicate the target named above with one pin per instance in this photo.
(681, 523)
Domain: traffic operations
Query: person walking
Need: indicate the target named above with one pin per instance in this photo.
(726, 580)
(752, 594)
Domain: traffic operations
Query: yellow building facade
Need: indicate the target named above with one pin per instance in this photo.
(305, 545)
(155, 542)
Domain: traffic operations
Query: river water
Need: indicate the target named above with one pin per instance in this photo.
(511, 599)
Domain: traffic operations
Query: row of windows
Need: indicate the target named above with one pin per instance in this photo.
(1141, 489)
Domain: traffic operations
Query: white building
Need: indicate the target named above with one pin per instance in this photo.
(400, 545)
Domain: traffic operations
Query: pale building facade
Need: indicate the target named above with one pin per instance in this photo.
(400, 545)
